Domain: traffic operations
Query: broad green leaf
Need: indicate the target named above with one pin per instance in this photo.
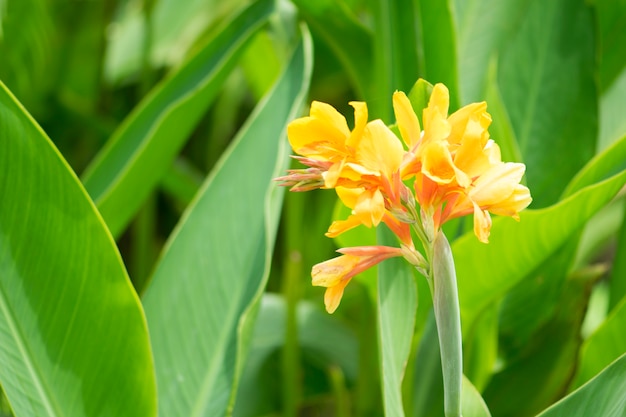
(329, 341)
(74, 337)
(473, 404)
(350, 41)
(612, 121)
(438, 41)
(397, 303)
(201, 302)
(542, 369)
(395, 54)
(546, 80)
(603, 346)
(609, 162)
(602, 396)
(611, 27)
(139, 153)
(618, 271)
(521, 246)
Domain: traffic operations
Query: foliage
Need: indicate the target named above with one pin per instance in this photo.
(149, 265)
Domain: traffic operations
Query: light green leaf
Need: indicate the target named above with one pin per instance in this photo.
(202, 298)
(602, 396)
(546, 80)
(611, 25)
(473, 404)
(397, 303)
(140, 151)
(74, 337)
(521, 246)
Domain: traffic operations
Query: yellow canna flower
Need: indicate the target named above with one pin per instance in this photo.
(458, 169)
(336, 273)
(324, 135)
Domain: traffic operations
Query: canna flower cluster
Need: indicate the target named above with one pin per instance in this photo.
(445, 169)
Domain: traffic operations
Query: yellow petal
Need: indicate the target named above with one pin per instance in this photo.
(360, 120)
(497, 184)
(328, 115)
(330, 273)
(471, 120)
(370, 207)
(339, 226)
(437, 165)
(472, 158)
(436, 126)
(482, 224)
(406, 118)
(379, 149)
(516, 202)
(333, 295)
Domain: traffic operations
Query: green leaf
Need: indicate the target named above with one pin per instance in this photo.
(612, 120)
(397, 302)
(395, 54)
(484, 27)
(541, 370)
(547, 83)
(521, 246)
(609, 162)
(602, 396)
(140, 151)
(330, 341)
(349, 40)
(74, 337)
(438, 36)
(202, 299)
(473, 403)
(606, 344)
(611, 27)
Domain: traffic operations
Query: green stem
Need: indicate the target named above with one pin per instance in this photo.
(448, 318)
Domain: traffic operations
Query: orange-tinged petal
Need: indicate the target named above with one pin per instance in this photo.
(379, 149)
(407, 120)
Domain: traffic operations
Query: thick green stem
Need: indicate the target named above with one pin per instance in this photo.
(448, 318)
